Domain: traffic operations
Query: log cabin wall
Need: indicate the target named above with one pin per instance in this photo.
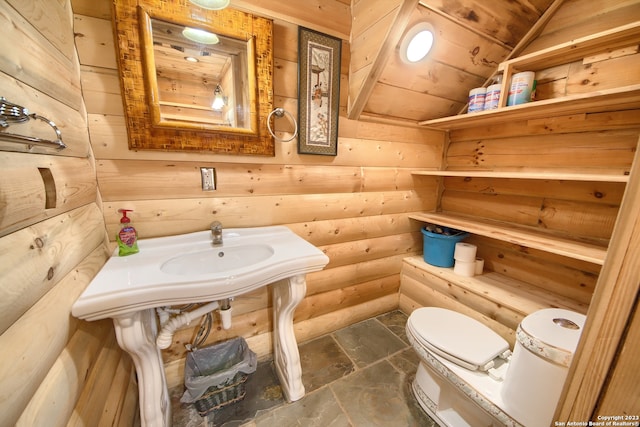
(352, 206)
(54, 369)
(357, 213)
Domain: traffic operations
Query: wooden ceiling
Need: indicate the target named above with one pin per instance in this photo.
(471, 38)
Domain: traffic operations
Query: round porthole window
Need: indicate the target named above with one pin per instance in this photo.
(417, 43)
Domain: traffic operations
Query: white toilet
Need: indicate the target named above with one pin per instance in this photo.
(468, 376)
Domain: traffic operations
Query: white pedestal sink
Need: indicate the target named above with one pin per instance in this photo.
(188, 269)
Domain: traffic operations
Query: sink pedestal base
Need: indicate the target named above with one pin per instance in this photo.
(287, 294)
(136, 333)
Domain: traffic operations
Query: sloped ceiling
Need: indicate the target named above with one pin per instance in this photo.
(471, 38)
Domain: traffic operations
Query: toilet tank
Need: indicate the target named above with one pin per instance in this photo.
(546, 342)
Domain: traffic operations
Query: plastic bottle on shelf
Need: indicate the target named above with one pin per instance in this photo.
(476, 99)
(492, 97)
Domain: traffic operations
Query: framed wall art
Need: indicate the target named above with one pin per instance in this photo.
(318, 91)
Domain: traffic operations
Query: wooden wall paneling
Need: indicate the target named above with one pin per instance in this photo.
(36, 258)
(95, 393)
(94, 41)
(601, 151)
(624, 119)
(352, 274)
(622, 395)
(117, 410)
(169, 180)
(48, 326)
(66, 378)
(370, 47)
(174, 216)
(45, 67)
(509, 208)
(601, 75)
(576, 18)
(366, 41)
(285, 42)
(96, 9)
(347, 296)
(379, 247)
(607, 193)
(37, 187)
(327, 232)
(101, 90)
(359, 144)
(53, 20)
(586, 220)
(572, 279)
(129, 412)
(71, 123)
(447, 79)
(609, 312)
(490, 21)
(389, 101)
(331, 17)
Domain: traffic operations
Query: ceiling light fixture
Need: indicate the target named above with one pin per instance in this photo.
(219, 100)
(191, 59)
(200, 36)
(417, 43)
(211, 4)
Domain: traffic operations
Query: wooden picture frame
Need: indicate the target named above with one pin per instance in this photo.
(318, 91)
(146, 132)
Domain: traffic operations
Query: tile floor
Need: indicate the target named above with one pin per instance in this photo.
(358, 376)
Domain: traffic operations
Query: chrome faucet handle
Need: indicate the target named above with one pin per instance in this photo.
(216, 233)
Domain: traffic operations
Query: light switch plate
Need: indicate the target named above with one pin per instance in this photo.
(208, 179)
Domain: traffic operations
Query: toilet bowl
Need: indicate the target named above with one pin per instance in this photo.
(468, 376)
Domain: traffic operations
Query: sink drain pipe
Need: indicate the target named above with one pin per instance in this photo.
(165, 336)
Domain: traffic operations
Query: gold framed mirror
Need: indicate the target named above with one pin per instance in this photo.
(185, 92)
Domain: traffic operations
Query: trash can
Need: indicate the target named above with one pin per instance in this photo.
(214, 376)
(439, 248)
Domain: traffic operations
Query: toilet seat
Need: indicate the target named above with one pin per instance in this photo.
(457, 338)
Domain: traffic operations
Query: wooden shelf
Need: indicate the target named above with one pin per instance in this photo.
(614, 38)
(622, 98)
(556, 176)
(519, 235)
(518, 296)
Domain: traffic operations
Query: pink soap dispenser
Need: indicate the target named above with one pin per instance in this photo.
(127, 237)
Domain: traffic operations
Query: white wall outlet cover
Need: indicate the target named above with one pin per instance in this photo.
(208, 179)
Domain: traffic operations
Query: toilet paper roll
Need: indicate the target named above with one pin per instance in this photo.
(464, 268)
(479, 266)
(465, 252)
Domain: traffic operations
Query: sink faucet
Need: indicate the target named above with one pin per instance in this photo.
(216, 233)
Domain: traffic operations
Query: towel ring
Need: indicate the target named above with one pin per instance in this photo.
(280, 112)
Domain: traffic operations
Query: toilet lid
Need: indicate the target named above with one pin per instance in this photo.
(456, 337)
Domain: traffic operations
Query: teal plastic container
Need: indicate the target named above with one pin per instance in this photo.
(438, 249)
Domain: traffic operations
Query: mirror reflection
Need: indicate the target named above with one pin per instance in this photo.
(201, 77)
(195, 79)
